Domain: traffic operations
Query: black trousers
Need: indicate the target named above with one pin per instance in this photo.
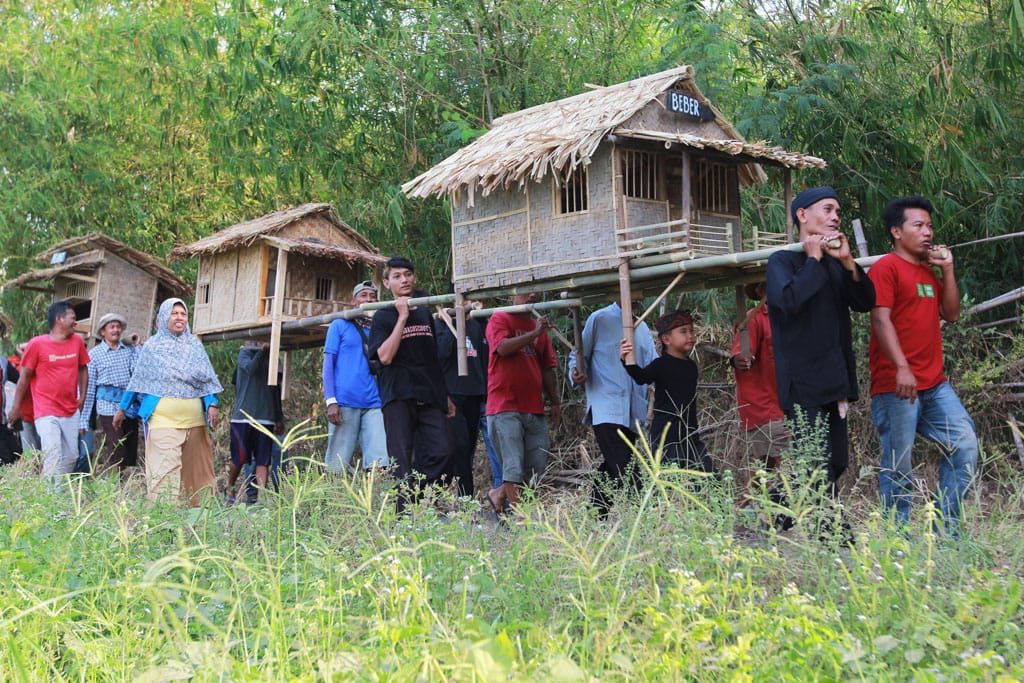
(419, 445)
(465, 427)
(837, 443)
(120, 446)
(682, 449)
(618, 456)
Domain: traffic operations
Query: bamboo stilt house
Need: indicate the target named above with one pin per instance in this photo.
(305, 253)
(100, 275)
(643, 173)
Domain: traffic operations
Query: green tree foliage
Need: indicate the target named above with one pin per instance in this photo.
(899, 96)
(158, 122)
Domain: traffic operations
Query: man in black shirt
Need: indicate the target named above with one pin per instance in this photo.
(412, 389)
(810, 296)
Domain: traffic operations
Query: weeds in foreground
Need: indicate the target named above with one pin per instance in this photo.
(323, 582)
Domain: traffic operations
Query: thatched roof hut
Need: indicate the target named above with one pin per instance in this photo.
(611, 193)
(307, 253)
(557, 196)
(99, 275)
(354, 247)
(556, 137)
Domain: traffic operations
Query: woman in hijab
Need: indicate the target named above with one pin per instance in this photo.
(177, 387)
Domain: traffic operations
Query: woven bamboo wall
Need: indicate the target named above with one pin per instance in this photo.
(234, 279)
(304, 271)
(317, 227)
(646, 212)
(500, 241)
(126, 289)
(490, 236)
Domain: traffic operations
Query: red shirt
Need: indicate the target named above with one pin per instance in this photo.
(757, 393)
(514, 383)
(27, 414)
(912, 292)
(55, 382)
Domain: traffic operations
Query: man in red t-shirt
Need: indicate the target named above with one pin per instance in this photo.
(54, 369)
(520, 371)
(909, 392)
(757, 394)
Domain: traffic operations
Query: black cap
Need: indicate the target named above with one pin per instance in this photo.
(811, 196)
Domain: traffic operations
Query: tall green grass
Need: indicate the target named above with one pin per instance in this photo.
(323, 582)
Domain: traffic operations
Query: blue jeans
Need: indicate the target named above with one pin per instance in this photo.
(362, 425)
(84, 465)
(938, 416)
(492, 455)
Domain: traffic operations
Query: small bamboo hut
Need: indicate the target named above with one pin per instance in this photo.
(305, 253)
(618, 190)
(646, 171)
(100, 275)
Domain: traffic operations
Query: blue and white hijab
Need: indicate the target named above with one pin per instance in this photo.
(173, 365)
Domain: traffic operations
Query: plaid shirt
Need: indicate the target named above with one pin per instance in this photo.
(109, 367)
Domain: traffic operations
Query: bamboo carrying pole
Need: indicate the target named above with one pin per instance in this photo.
(556, 334)
(1009, 297)
(460, 335)
(741, 323)
(275, 332)
(324, 319)
(577, 337)
(527, 308)
(622, 227)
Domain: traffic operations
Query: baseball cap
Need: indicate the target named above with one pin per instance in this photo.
(362, 286)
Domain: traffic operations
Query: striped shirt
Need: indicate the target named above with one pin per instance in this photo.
(109, 368)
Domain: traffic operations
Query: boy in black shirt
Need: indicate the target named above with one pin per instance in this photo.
(412, 389)
(674, 377)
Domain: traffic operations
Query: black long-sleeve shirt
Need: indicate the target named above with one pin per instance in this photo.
(809, 304)
(675, 394)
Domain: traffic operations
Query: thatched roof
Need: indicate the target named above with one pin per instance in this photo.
(314, 247)
(559, 136)
(247, 233)
(734, 147)
(86, 252)
(84, 263)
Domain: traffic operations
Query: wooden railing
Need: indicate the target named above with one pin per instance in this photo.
(299, 307)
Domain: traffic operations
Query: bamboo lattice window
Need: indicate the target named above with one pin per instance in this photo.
(573, 194)
(203, 294)
(716, 187)
(642, 174)
(78, 290)
(324, 288)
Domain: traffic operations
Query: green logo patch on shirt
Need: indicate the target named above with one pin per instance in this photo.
(925, 291)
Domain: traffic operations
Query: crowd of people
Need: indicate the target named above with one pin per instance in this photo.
(393, 391)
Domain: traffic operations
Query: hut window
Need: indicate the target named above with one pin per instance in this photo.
(716, 187)
(269, 279)
(203, 295)
(573, 194)
(324, 288)
(642, 174)
(79, 290)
